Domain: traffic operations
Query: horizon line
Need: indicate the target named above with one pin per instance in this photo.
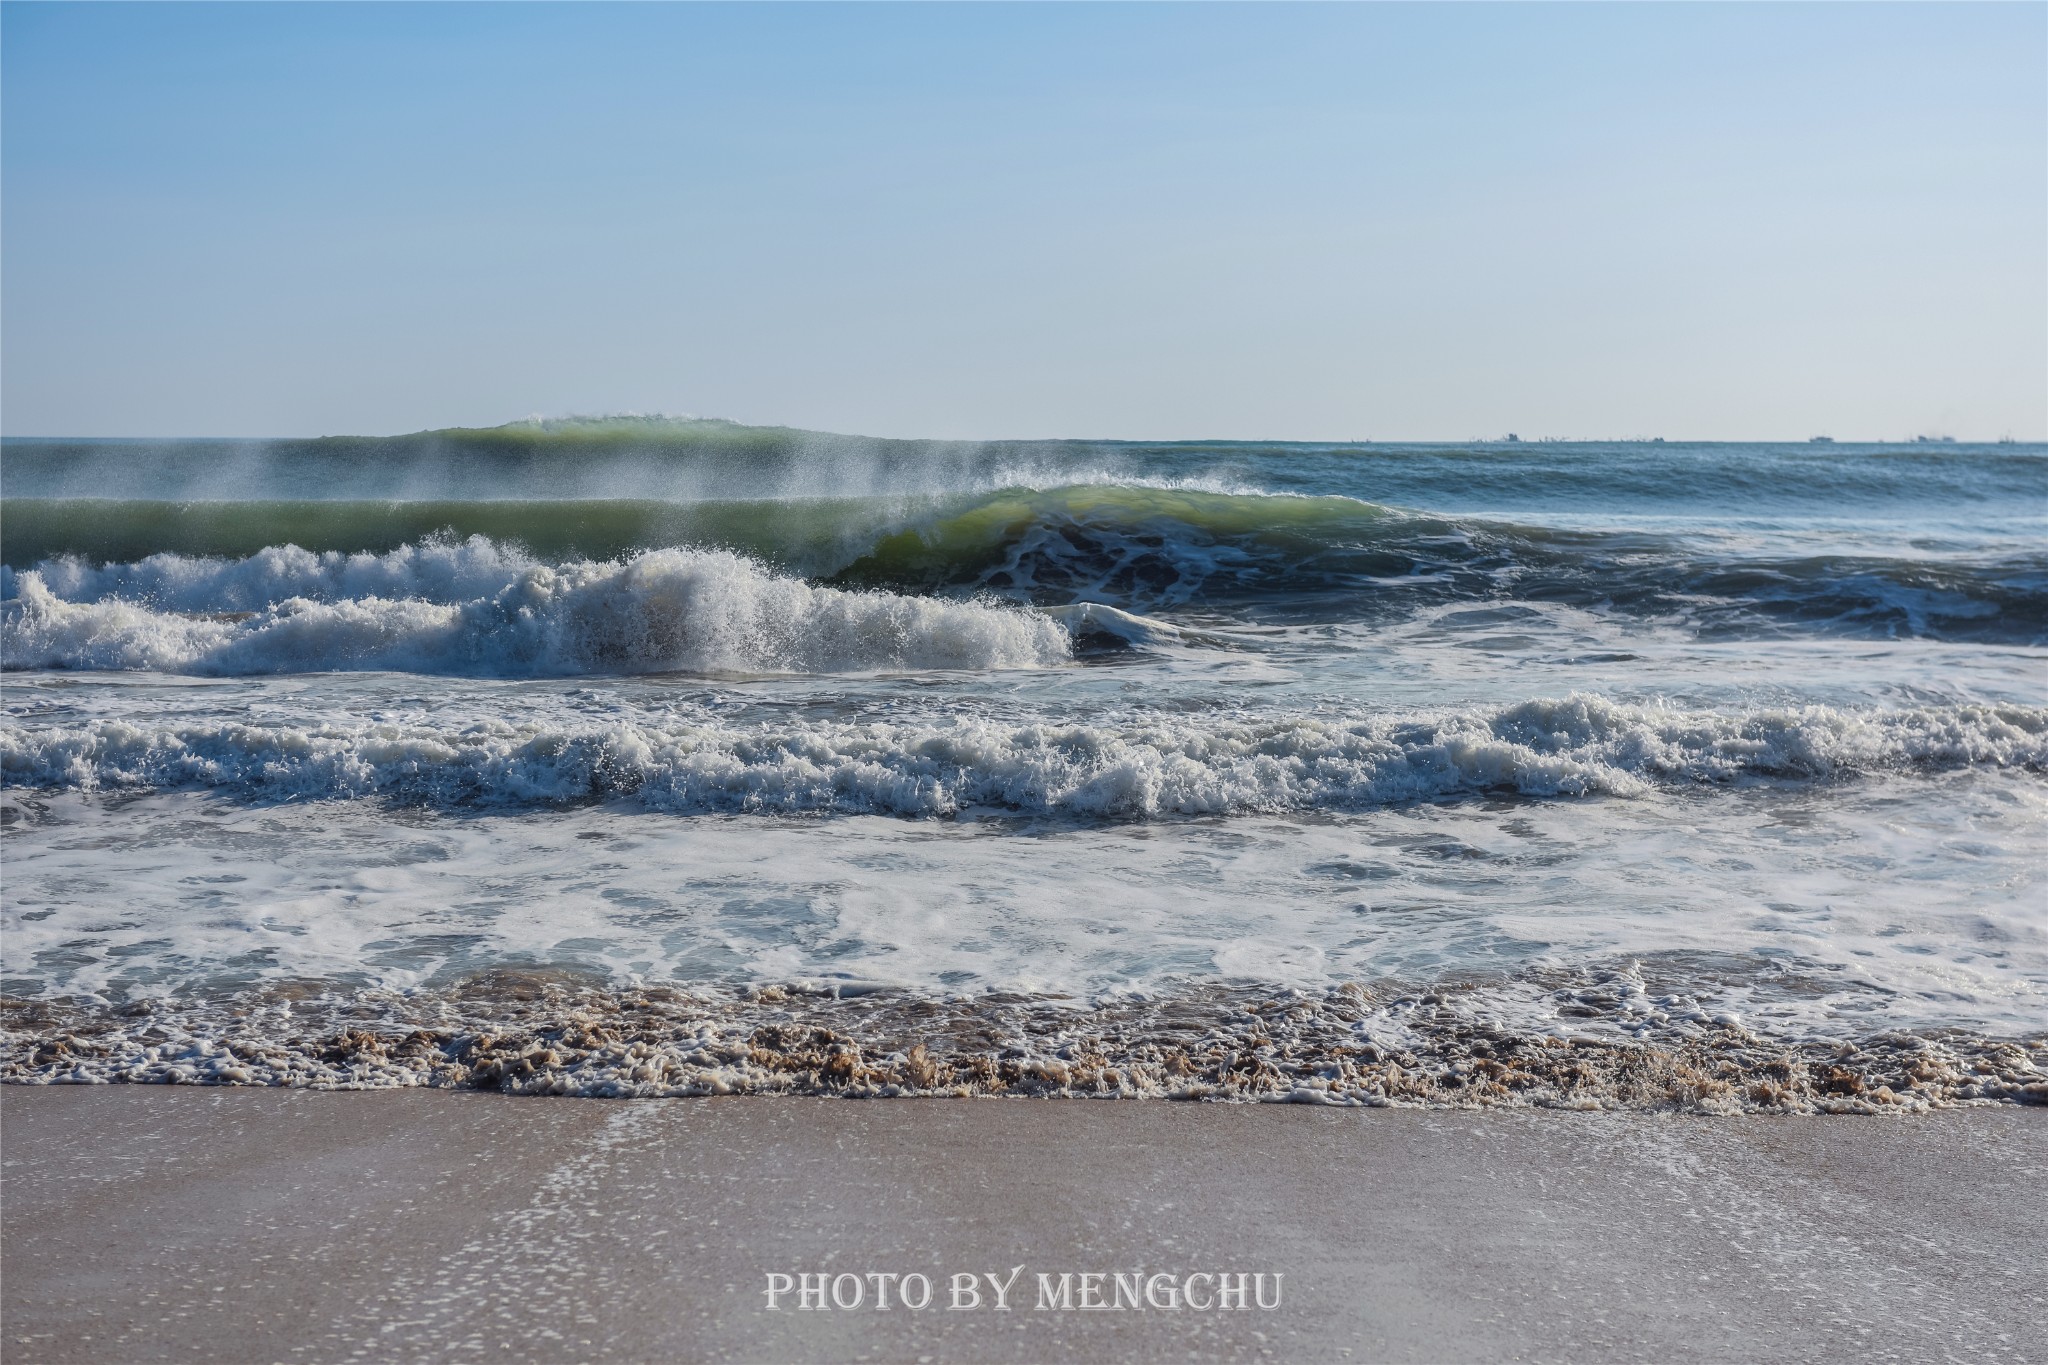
(1504, 439)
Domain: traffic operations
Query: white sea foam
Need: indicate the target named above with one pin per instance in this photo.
(1903, 900)
(442, 571)
(475, 608)
(1140, 767)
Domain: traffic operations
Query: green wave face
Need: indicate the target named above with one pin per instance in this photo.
(813, 536)
(899, 539)
(998, 534)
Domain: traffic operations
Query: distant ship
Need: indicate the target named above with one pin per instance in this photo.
(1820, 440)
(1934, 440)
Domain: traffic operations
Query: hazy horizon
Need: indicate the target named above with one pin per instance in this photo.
(1502, 438)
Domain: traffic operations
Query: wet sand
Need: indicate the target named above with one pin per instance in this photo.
(147, 1223)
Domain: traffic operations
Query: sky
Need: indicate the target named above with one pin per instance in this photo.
(1312, 222)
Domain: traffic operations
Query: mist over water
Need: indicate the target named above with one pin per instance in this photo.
(1074, 718)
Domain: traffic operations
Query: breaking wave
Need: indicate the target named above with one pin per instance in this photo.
(1145, 767)
(478, 609)
(1139, 546)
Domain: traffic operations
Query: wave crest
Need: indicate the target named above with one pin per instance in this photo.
(475, 608)
(1146, 768)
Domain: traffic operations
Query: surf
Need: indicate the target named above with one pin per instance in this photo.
(1223, 556)
(1135, 767)
(480, 610)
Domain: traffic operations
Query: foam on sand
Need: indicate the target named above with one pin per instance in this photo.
(1349, 1045)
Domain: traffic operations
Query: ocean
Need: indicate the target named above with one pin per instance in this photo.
(638, 756)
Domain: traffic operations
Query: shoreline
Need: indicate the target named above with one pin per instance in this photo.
(179, 1223)
(1445, 1047)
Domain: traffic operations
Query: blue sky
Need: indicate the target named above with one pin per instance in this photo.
(1314, 222)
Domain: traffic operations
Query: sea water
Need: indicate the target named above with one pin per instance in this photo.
(660, 756)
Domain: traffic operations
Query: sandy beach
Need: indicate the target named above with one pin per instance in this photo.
(257, 1225)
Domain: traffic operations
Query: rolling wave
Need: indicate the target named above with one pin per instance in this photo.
(1333, 558)
(1140, 547)
(1145, 767)
(474, 609)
